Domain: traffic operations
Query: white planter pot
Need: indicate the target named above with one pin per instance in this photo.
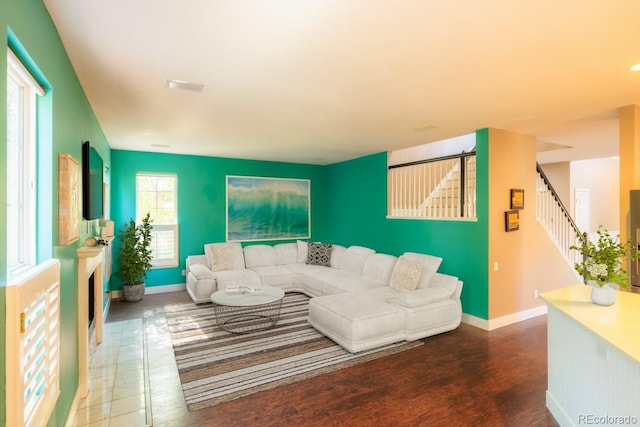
(603, 295)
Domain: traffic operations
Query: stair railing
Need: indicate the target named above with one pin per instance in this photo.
(556, 219)
(443, 187)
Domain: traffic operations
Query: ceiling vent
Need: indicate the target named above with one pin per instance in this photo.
(181, 84)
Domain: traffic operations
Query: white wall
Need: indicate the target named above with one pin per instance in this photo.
(559, 174)
(602, 178)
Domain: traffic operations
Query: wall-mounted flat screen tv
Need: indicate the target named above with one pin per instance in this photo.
(92, 182)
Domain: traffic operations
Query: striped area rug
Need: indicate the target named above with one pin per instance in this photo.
(216, 366)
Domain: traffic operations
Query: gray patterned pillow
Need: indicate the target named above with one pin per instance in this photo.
(319, 254)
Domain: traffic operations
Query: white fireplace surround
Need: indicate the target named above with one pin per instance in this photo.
(90, 261)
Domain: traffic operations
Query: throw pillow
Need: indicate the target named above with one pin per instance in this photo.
(319, 254)
(223, 257)
(430, 265)
(406, 275)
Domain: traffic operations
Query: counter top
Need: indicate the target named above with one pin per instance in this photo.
(618, 324)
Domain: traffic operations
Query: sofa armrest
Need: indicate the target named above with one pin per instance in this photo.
(196, 259)
(421, 296)
(200, 271)
(444, 280)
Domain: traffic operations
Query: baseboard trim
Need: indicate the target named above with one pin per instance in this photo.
(499, 322)
(75, 404)
(557, 411)
(165, 288)
(154, 290)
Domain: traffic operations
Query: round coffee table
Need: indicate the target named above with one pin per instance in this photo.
(244, 313)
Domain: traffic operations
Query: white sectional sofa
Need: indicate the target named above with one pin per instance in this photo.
(360, 299)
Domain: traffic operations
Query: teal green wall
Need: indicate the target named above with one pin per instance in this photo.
(66, 119)
(201, 198)
(349, 207)
(357, 215)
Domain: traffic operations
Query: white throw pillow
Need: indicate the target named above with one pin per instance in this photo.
(405, 276)
(429, 263)
(224, 256)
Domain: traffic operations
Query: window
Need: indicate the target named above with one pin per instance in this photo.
(21, 166)
(157, 194)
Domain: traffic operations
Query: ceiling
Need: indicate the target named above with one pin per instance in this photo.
(322, 81)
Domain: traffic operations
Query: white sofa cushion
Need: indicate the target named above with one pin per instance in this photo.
(337, 252)
(259, 256)
(275, 275)
(418, 297)
(244, 276)
(429, 263)
(303, 251)
(354, 258)
(286, 253)
(357, 323)
(406, 275)
(224, 256)
(379, 267)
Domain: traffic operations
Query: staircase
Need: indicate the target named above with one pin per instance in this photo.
(437, 188)
(556, 220)
(445, 198)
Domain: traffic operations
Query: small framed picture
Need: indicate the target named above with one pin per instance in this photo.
(512, 220)
(517, 198)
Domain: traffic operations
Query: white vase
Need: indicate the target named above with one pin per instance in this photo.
(603, 295)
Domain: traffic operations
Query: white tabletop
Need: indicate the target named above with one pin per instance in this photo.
(269, 294)
(618, 323)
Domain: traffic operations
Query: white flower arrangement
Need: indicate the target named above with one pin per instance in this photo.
(603, 260)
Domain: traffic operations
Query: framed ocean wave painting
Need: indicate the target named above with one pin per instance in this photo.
(261, 208)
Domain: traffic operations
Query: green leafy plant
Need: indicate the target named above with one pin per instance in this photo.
(135, 251)
(603, 260)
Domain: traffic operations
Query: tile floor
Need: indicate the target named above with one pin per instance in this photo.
(132, 372)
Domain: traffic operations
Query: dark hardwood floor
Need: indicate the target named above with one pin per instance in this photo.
(467, 377)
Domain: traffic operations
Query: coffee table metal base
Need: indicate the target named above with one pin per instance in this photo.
(245, 319)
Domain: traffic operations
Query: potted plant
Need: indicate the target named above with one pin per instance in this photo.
(602, 264)
(135, 257)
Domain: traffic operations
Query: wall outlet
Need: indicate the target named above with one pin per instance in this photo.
(535, 294)
(184, 272)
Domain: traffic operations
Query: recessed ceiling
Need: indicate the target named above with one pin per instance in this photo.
(321, 81)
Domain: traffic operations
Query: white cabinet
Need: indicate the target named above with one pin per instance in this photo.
(593, 358)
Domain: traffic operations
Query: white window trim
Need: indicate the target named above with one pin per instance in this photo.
(167, 263)
(15, 65)
(21, 75)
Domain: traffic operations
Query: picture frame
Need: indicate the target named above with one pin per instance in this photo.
(68, 199)
(512, 220)
(261, 208)
(517, 198)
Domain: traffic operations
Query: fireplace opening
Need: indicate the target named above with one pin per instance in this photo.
(91, 299)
